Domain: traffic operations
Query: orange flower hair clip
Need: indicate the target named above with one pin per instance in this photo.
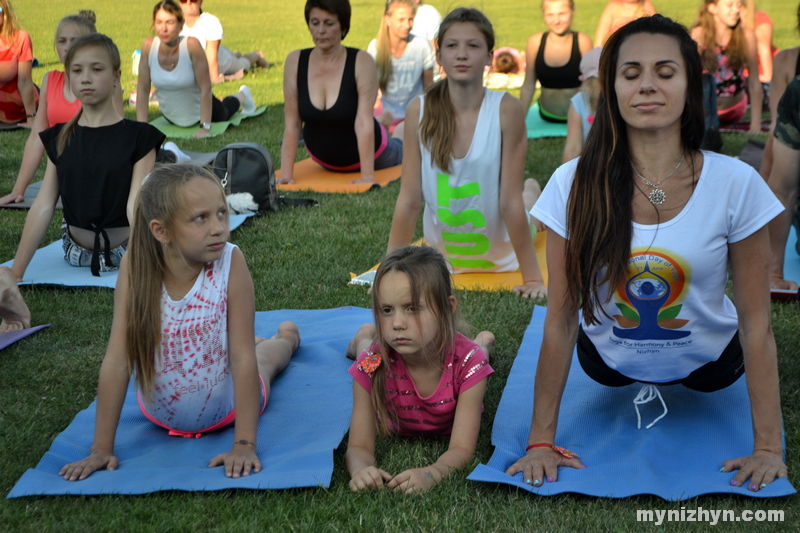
(370, 363)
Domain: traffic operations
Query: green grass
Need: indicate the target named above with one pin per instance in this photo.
(301, 258)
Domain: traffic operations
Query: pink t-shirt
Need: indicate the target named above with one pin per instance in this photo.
(11, 55)
(59, 109)
(464, 367)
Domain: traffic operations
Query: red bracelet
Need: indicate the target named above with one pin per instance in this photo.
(542, 445)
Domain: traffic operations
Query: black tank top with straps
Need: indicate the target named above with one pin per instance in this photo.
(330, 133)
(566, 77)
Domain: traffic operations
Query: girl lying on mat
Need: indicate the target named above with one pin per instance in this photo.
(184, 309)
(465, 149)
(95, 162)
(643, 227)
(415, 374)
(330, 91)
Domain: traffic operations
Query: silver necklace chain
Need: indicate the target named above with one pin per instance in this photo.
(658, 196)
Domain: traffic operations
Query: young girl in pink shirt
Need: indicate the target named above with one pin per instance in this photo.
(415, 375)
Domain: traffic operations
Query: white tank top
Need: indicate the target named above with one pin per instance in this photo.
(177, 90)
(462, 210)
(193, 387)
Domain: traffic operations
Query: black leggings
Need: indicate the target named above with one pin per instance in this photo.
(710, 377)
(222, 110)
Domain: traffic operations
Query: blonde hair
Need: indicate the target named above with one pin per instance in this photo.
(437, 129)
(161, 198)
(383, 55)
(10, 23)
(736, 51)
(90, 39)
(429, 279)
(84, 22)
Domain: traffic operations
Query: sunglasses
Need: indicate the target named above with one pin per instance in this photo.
(188, 1)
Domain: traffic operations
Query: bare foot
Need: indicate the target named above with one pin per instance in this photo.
(363, 338)
(13, 311)
(261, 62)
(485, 339)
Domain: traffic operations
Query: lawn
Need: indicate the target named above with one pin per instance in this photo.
(301, 258)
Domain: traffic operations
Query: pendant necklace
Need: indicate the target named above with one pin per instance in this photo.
(657, 196)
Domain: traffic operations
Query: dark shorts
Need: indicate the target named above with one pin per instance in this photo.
(710, 377)
(787, 124)
(391, 156)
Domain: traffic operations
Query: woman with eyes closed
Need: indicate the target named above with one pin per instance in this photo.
(646, 223)
(329, 92)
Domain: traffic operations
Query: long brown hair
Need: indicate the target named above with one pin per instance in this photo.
(10, 23)
(599, 211)
(383, 56)
(160, 198)
(90, 39)
(736, 51)
(437, 129)
(429, 279)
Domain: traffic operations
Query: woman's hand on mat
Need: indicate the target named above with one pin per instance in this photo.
(415, 480)
(238, 462)
(201, 133)
(531, 289)
(541, 464)
(365, 178)
(774, 282)
(80, 470)
(761, 468)
(11, 198)
(369, 478)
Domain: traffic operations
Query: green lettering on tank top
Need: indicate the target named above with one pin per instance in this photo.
(445, 193)
(471, 244)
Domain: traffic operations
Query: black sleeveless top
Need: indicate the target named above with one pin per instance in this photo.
(566, 77)
(330, 134)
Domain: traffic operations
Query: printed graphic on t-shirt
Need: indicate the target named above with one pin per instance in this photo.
(469, 243)
(650, 299)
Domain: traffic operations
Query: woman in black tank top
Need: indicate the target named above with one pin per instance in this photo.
(329, 92)
(553, 57)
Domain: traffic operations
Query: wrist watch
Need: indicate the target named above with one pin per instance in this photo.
(206, 126)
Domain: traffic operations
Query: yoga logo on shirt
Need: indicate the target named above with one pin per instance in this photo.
(650, 299)
(469, 243)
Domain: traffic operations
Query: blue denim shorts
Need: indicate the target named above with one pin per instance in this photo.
(392, 155)
(78, 256)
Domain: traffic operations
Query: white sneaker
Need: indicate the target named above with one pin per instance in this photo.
(249, 105)
(172, 147)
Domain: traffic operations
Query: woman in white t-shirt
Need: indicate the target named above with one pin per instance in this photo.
(644, 226)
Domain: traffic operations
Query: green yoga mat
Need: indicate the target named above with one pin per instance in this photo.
(217, 128)
(538, 127)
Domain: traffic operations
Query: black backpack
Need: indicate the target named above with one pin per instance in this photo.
(246, 167)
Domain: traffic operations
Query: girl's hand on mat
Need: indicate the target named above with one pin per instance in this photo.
(369, 478)
(531, 289)
(201, 133)
(11, 198)
(416, 480)
(541, 464)
(238, 462)
(761, 469)
(283, 181)
(774, 282)
(365, 178)
(80, 470)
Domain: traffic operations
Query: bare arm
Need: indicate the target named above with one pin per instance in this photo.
(212, 51)
(409, 200)
(782, 74)
(360, 456)
(143, 83)
(463, 439)
(764, 40)
(203, 79)
(603, 26)
(37, 221)
(512, 208)
(584, 43)
(528, 88)
(555, 358)
(756, 95)
(33, 153)
(574, 142)
(292, 122)
(783, 180)
(244, 370)
(749, 265)
(26, 89)
(367, 84)
(111, 390)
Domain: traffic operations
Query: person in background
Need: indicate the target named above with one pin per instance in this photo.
(19, 97)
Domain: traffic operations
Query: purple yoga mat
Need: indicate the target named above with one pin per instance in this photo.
(11, 337)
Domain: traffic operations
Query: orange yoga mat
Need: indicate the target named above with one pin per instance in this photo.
(311, 176)
(479, 281)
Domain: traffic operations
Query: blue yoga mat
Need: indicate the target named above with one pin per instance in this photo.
(49, 268)
(306, 418)
(677, 459)
(538, 127)
(791, 261)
